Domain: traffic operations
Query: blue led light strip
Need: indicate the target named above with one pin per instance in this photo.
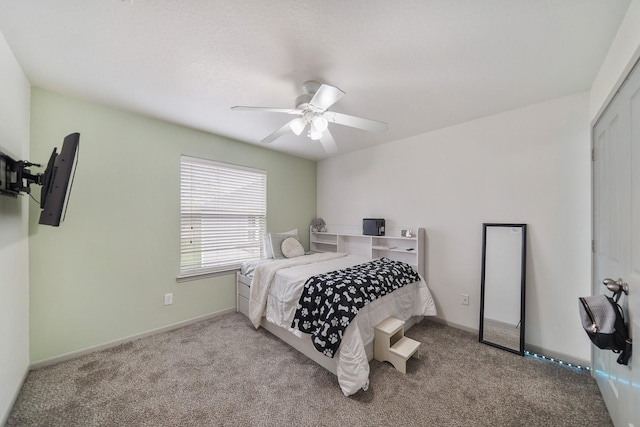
(557, 362)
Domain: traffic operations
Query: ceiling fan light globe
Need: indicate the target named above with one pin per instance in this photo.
(298, 125)
(319, 124)
(315, 135)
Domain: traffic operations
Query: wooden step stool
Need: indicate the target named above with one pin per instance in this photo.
(392, 346)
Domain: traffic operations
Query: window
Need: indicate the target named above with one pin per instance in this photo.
(223, 211)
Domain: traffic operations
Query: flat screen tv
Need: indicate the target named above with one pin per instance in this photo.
(7, 165)
(57, 180)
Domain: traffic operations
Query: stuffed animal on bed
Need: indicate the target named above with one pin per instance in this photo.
(318, 225)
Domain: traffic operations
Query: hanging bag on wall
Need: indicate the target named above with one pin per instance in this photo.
(603, 321)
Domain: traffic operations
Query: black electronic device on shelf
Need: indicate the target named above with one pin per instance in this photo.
(373, 226)
(16, 177)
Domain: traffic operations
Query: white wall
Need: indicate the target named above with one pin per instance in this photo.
(14, 249)
(530, 165)
(622, 55)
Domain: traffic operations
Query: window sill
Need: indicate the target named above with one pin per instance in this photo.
(200, 276)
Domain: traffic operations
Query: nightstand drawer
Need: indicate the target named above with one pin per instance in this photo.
(243, 279)
(243, 305)
(243, 290)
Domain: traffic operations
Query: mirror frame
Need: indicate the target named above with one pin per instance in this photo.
(523, 263)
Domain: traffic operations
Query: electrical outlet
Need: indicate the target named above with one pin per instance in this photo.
(465, 299)
(168, 299)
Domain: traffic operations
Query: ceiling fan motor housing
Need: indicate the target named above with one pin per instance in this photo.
(311, 87)
(302, 102)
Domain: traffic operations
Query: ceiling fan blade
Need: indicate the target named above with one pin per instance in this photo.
(268, 109)
(328, 143)
(325, 97)
(356, 122)
(278, 133)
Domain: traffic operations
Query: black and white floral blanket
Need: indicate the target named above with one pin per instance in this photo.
(330, 301)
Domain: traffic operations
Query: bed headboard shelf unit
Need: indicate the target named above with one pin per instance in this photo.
(393, 245)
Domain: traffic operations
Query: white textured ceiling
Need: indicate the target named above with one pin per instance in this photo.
(418, 65)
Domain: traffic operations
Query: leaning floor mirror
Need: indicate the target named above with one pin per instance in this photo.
(503, 286)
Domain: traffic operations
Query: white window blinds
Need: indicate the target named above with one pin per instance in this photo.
(223, 210)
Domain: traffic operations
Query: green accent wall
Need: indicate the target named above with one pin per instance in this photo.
(102, 275)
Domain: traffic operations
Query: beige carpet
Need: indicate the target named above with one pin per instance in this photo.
(222, 372)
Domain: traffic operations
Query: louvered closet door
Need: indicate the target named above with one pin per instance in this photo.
(616, 221)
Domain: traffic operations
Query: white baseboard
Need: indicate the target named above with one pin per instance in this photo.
(110, 344)
(88, 350)
(453, 325)
(528, 347)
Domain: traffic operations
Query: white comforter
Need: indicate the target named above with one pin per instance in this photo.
(276, 289)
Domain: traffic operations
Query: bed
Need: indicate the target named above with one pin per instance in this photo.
(269, 292)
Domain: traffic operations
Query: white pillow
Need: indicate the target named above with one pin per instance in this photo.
(292, 248)
(266, 246)
(273, 241)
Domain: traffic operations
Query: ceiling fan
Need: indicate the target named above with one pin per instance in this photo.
(313, 109)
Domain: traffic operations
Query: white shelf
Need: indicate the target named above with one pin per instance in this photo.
(391, 246)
